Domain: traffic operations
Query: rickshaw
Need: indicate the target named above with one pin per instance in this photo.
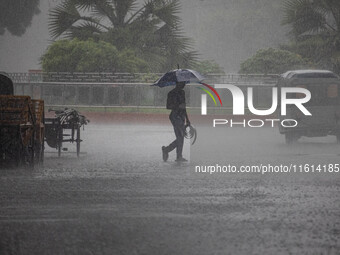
(324, 104)
(21, 127)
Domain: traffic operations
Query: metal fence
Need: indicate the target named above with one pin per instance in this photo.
(129, 90)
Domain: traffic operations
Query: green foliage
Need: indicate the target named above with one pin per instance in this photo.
(89, 56)
(273, 61)
(16, 15)
(149, 77)
(153, 31)
(208, 66)
(315, 30)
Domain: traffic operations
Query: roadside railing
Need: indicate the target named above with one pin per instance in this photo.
(130, 90)
(133, 77)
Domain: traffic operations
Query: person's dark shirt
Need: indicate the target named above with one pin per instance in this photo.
(178, 97)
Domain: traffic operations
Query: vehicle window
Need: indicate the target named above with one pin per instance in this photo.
(301, 95)
(323, 95)
(315, 75)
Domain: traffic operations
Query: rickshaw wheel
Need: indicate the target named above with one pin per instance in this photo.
(42, 153)
(78, 142)
(59, 140)
(28, 153)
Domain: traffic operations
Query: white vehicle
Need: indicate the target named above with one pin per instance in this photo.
(324, 104)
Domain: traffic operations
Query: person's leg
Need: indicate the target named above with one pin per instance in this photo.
(171, 146)
(179, 129)
(174, 144)
(179, 139)
(178, 124)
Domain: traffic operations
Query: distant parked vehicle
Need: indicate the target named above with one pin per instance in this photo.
(324, 104)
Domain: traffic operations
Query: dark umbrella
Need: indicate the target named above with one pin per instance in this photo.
(179, 75)
(184, 75)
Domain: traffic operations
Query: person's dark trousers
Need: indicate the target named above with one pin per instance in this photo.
(179, 127)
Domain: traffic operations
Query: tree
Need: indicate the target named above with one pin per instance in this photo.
(16, 15)
(273, 61)
(90, 56)
(152, 31)
(208, 66)
(315, 30)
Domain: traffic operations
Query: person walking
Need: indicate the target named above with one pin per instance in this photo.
(179, 119)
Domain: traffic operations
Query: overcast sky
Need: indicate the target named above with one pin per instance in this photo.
(20, 54)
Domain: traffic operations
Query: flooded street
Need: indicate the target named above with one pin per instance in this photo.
(119, 197)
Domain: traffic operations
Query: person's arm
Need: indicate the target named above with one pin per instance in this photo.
(183, 107)
(187, 118)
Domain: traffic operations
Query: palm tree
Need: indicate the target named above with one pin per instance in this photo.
(315, 27)
(151, 30)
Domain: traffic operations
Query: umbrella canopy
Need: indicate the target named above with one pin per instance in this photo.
(179, 75)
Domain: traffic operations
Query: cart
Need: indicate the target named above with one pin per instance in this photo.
(64, 127)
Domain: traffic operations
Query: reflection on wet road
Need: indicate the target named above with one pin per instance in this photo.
(120, 198)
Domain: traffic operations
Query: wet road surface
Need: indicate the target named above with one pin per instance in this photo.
(120, 198)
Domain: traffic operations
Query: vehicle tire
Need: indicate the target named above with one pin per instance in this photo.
(291, 138)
